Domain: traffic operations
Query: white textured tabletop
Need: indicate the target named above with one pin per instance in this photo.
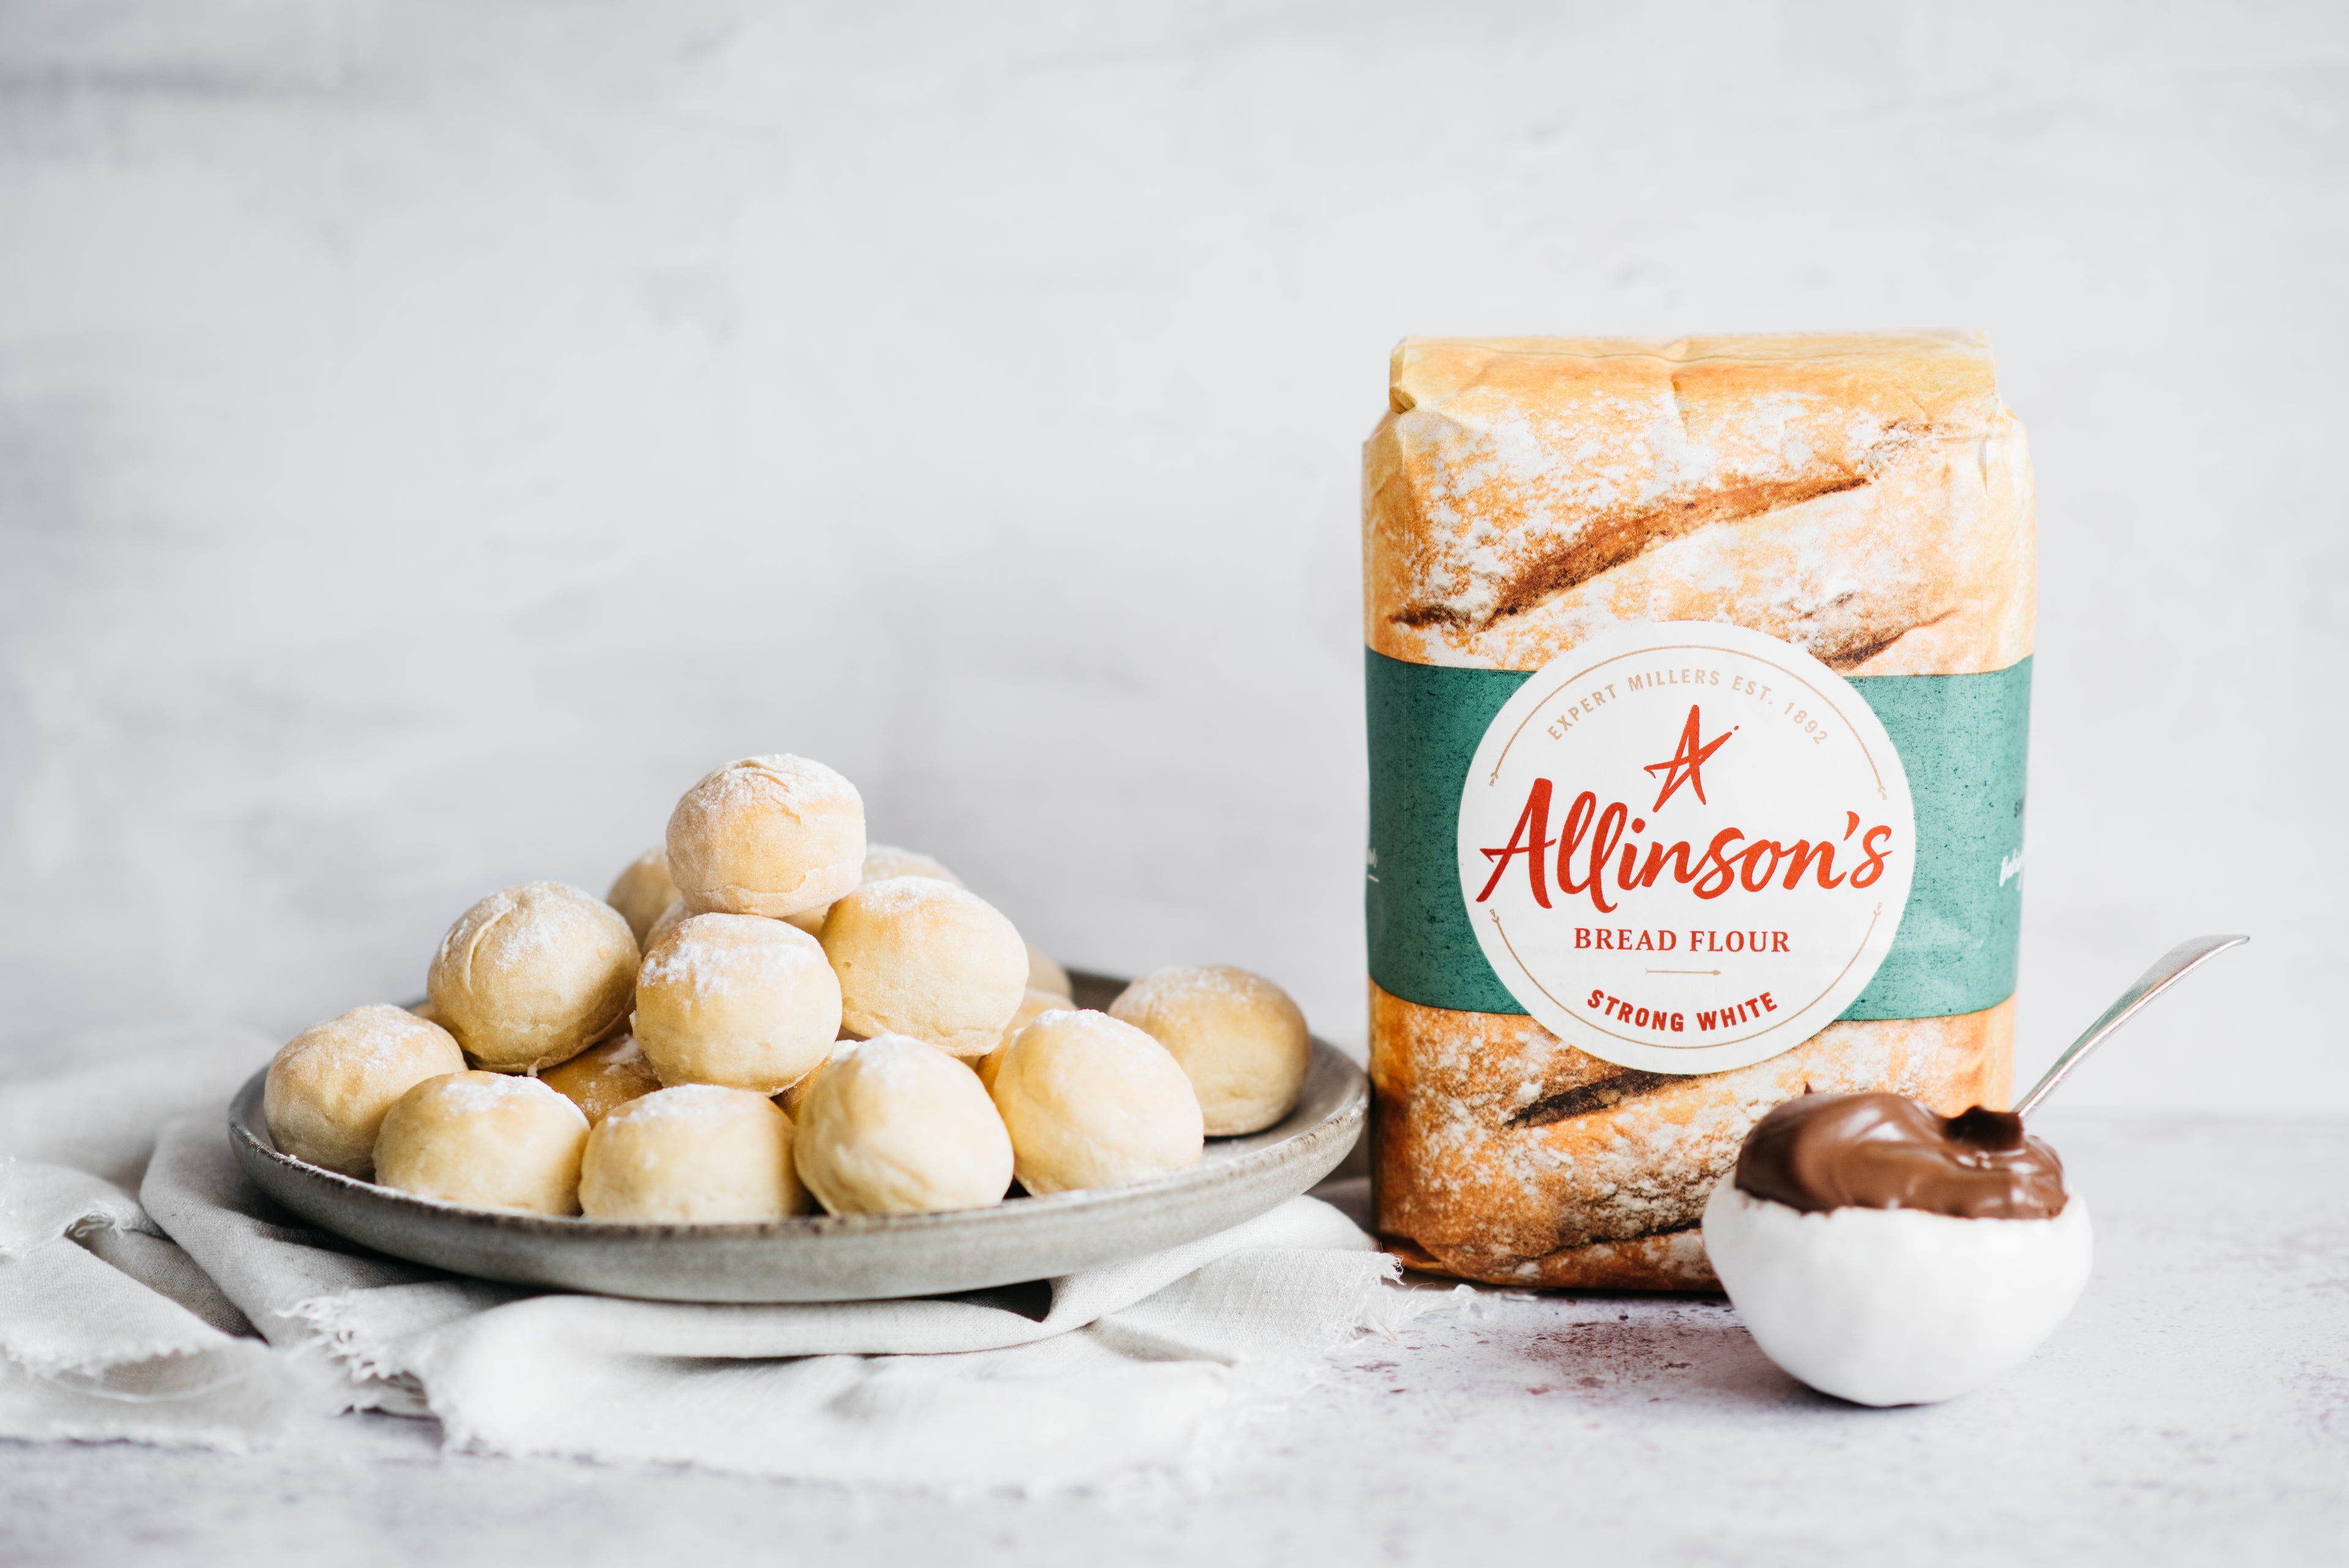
(2194, 1408)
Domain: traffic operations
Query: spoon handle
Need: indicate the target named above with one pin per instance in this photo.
(2174, 965)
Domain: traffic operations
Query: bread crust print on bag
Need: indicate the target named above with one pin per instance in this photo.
(1786, 578)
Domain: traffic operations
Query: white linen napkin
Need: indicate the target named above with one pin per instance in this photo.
(134, 1317)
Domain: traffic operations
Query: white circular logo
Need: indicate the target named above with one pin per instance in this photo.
(1685, 846)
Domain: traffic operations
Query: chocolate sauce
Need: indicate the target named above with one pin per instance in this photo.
(1887, 1151)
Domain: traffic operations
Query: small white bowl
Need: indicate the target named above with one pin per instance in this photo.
(1895, 1306)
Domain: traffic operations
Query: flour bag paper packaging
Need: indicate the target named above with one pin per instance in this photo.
(1699, 677)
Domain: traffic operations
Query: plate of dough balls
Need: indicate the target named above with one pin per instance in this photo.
(777, 1062)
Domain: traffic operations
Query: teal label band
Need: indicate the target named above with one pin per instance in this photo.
(1961, 738)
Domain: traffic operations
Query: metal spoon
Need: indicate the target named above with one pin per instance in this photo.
(2174, 965)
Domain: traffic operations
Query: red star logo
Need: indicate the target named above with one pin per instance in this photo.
(1682, 766)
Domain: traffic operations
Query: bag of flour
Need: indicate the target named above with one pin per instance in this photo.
(1698, 680)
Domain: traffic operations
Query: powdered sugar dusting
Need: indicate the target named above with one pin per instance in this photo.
(894, 1062)
(711, 955)
(687, 1103)
(1219, 982)
(530, 923)
(897, 895)
(377, 1038)
(1223, 980)
(1088, 1026)
(792, 785)
(1102, 1045)
(475, 1093)
(886, 860)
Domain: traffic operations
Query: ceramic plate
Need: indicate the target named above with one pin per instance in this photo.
(834, 1257)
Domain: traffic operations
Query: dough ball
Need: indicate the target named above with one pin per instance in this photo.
(487, 1140)
(670, 918)
(1091, 1102)
(695, 1155)
(426, 1012)
(534, 975)
(642, 891)
(603, 1078)
(793, 1098)
(895, 1126)
(1238, 1035)
(1044, 973)
(921, 957)
(329, 1086)
(1033, 1004)
(767, 835)
(738, 1001)
(883, 861)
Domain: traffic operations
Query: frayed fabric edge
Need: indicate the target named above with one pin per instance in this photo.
(235, 1395)
(1383, 1306)
(352, 1376)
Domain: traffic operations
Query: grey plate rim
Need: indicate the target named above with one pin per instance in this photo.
(833, 1256)
(250, 1134)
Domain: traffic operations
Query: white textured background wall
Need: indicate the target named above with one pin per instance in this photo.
(432, 434)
